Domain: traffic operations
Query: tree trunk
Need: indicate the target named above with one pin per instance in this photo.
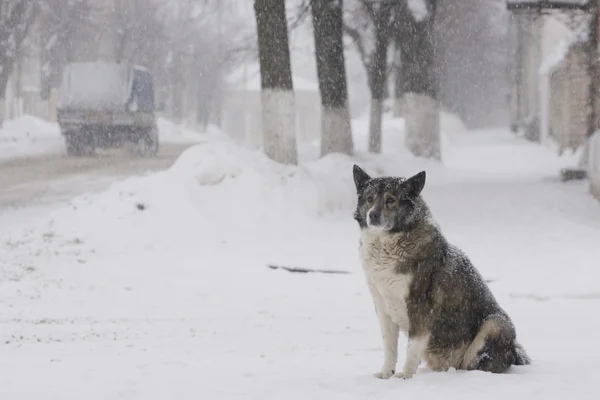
(6, 68)
(277, 94)
(398, 110)
(15, 20)
(593, 70)
(177, 89)
(377, 82)
(422, 136)
(5, 71)
(336, 132)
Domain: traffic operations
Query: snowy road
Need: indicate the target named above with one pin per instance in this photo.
(40, 182)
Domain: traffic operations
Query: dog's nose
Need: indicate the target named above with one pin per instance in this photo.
(374, 216)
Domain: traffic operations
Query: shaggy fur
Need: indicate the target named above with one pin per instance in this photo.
(425, 287)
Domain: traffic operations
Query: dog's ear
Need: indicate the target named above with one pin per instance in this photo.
(415, 184)
(361, 178)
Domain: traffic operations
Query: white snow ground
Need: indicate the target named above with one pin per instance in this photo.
(159, 288)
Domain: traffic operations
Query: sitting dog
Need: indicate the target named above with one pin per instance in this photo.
(426, 287)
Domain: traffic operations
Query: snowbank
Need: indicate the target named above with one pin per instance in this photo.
(30, 126)
(466, 155)
(218, 184)
(222, 170)
(28, 135)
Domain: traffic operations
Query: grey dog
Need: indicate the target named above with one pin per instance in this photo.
(424, 286)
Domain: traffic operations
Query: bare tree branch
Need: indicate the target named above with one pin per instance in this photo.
(303, 12)
(356, 37)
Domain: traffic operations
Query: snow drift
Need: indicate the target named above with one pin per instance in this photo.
(28, 135)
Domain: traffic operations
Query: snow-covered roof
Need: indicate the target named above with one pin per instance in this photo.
(247, 77)
(557, 56)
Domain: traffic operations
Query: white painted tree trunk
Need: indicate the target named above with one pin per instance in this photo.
(336, 133)
(375, 122)
(279, 125)
(422, 136)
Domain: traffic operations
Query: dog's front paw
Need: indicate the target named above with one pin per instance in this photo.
(384, 374)
(404, 375)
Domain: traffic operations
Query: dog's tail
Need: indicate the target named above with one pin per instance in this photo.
(520, 357)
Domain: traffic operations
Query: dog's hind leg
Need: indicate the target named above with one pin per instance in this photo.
(493, 349)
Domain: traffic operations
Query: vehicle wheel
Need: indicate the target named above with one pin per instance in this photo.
(147, 146)
(78, 145)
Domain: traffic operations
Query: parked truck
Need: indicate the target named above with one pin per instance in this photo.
(106, 105)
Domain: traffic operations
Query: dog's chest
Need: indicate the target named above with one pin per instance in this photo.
(390, 289)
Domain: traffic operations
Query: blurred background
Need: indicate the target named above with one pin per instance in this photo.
(192, 47)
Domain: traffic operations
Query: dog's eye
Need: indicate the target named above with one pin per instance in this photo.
(390, 200)
(370, 199)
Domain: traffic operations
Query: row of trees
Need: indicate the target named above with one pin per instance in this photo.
(16, 18)
(373, 26)
(187, 44)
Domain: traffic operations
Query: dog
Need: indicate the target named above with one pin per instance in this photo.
(425, 287)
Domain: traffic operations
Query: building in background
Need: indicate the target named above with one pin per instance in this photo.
(547, 67)
(555, 77)
(241, 107)
(564, 95)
